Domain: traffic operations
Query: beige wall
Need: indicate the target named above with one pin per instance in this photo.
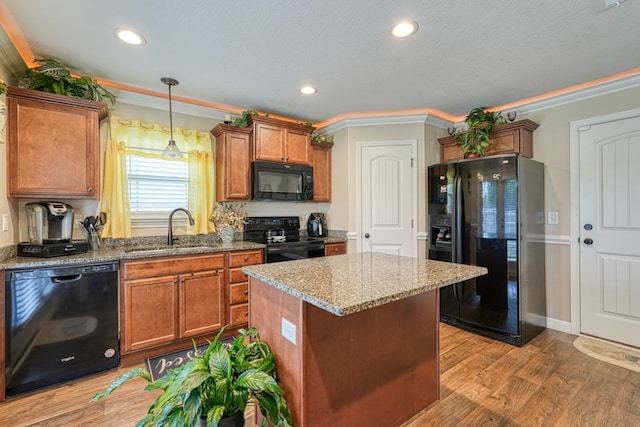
(7, 206)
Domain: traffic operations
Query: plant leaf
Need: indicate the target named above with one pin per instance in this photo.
(136, 372)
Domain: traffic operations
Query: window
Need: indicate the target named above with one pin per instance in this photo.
(156, 186)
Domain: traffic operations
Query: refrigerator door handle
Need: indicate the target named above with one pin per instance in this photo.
(456, 248)
(455, 292)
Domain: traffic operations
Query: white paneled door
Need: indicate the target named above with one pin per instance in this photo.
(610, 230)
(388, 179)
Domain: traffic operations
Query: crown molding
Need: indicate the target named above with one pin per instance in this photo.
(580, 95)
(404, 119)
(10, 58)
(149, 101)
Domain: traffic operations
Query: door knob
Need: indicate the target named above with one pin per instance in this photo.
(588, 241)
(366, 235)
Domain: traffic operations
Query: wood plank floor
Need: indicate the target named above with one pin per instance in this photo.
(484, 383)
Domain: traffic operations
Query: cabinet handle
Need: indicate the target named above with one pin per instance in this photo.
(246, 292)
(89, 189)
(246, 259)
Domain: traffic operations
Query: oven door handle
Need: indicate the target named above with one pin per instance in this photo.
(291, 255)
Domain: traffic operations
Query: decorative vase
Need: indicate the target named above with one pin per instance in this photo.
(227, 233)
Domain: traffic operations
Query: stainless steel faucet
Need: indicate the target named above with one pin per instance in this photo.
(170, 233)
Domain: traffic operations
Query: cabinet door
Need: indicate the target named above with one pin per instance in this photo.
(297, 146)
(150, 312)
(202, 302)
(321, 156)
(232, 163)
(268, 142)
(53, 150)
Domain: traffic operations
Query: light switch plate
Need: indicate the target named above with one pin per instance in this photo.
(289, 331)
(552, 218)
(5, 222)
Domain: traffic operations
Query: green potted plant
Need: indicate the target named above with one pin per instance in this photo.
(328, 139)
(475, 137)
(242, 120)
(52, 77)
(227, 218)
(215, 386)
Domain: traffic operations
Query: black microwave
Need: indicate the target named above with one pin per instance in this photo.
(280, 181)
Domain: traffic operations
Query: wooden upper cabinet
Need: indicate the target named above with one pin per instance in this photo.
(321, 162)
(515, 137)
(276, 140)
(232, 162)
(53, 145)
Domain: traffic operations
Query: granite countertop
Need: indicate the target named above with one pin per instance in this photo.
(133, 252)
(107, 254)
(346, 284)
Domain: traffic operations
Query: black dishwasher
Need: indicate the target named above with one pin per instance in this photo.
(61, 323)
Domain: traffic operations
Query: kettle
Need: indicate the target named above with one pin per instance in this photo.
(317, 225)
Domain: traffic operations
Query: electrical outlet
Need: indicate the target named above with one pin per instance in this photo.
(289, 331)
(552, 218)
(5, 222)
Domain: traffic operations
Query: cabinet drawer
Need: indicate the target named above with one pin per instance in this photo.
(236, 275)
(172, 265)
(238, 259)
(335, 249)
(239, 293)
(239, 315)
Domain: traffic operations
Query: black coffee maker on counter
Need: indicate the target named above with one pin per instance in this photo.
(50, 229)
(317, 225)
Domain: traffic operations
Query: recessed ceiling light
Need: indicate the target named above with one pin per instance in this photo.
(130, 37)
(404, 29)
(308, 90)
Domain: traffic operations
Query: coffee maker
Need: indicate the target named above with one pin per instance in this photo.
(50, 229)
(317, 225)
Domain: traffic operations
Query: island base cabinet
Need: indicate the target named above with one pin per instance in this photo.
(377, 367)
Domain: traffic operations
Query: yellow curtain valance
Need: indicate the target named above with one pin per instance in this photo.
(138, 134)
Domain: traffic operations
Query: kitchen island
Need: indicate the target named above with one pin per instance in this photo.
(355, 336)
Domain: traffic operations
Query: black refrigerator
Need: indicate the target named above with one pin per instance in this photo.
(490, 212)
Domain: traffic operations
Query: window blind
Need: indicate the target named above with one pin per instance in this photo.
(157, 185)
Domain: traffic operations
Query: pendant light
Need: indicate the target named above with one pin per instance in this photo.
(172, 149)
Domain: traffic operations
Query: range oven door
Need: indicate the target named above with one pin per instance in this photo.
(293, 251)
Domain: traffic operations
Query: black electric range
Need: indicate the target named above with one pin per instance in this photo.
(281, 237)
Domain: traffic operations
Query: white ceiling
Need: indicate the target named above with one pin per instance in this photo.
(257, 54)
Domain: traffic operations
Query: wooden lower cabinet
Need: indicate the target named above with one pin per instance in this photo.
(150, 312)
(166, 299)
(239, 285)
(202, 302)
(339, 248)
